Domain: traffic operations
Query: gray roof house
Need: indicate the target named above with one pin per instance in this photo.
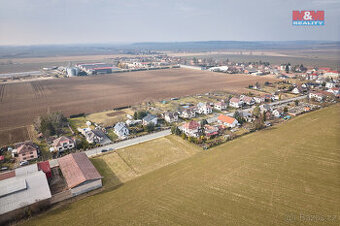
(150, 119)
(121, 130)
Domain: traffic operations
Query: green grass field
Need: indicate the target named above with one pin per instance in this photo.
(288, 174)
(128, 163)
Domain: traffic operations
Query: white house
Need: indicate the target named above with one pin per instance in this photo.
(63, 143)
(259, 99)
(317, 96)
(204, 108)
(90, 136)
(220, 106)
(248, 100)
(188, 113)
(121, 130)
(191, 128)
(149, 119)
(277, 113)
(235, 102)
(335, 91)
(170, 117)
(227, 121)
(330, 85)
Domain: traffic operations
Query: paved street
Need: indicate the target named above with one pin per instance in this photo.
(288, 100)
(130, 142)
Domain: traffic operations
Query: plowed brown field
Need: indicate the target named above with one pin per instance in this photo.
(21, 103)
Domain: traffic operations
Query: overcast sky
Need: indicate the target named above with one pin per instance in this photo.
(25, 22)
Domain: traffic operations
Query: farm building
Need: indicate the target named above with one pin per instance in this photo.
(80, 174)
(97, 68)
(23, 187)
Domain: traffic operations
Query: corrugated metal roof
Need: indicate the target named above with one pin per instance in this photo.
(37, 189)
(12, 185)
(25, 170)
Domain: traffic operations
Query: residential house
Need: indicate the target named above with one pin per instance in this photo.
(259, 99)
(247, 116)
(121, 130)
(316, 95)
(171, 117)
(149, 119)
(265, 107)
(210, 130)
(248, 100)
(227, 121)
(296, 90)
(268, 97)
(330, 85)
(191, 129)
(63, 143)
(335, 91)
(188, 113)
(90, 136)
(204, 108)
(100, 135)
(235, 102)
(220, 106)
(277, 113)
(25, 151)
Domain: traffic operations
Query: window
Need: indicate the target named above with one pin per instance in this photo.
(24, 158)
(31, 152)
(32, 156)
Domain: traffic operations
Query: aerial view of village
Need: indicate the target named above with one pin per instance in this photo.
(161, 129)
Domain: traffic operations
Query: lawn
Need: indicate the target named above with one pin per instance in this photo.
(131, 162)
(109, 118)
(287, 174)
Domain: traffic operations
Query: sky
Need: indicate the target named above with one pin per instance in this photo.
(33, 22)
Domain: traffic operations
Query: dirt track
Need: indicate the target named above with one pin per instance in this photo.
(20, 103)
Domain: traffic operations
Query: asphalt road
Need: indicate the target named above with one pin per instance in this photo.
(127, 143)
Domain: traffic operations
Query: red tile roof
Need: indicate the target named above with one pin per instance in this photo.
(192, 125)
(234, 99)
(226, 119)
(77, 168)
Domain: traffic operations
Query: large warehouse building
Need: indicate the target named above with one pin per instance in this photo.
(23, 187)
(97, 68)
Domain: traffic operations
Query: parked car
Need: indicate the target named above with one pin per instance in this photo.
(104, 150)
(4, 168)
(23, 163)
